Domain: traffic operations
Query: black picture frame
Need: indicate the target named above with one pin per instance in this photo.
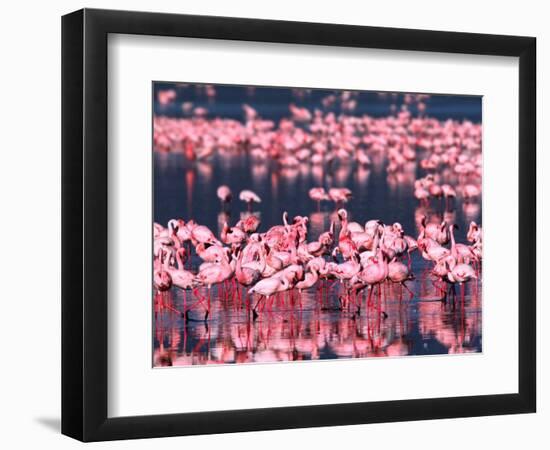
(84, 224)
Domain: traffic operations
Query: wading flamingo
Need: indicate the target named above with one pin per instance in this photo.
(224, 194)
(249, 197)
(399, 273)
(318, 194)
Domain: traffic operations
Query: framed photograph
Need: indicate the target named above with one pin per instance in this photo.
(273, 224)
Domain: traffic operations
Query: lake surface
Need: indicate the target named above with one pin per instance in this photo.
(313, 325)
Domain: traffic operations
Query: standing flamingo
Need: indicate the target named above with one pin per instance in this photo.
(375, 273)
(318, 194)
(399, 273)
(249, 197)
(212, 274)
(460, 273)
(339, 195)
(267, 288)
(225, 195)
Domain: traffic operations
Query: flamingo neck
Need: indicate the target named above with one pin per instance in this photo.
(285, 283)
(179, 260)
(225, 229)
(382, 264)
(344, 231)
(166, 260)
(376, 241)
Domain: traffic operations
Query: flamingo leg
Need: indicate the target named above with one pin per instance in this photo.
(208, 308)
(369, 289)
(407, 288)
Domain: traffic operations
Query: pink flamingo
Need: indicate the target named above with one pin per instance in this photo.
(460, 273)
(225, 195)
(162, 281)
(215, 273)
(309, 280)
(471, 192)
(181, 278)
(462, 253)
(203, 235)
(449, 193)
(348, 269)
(432, 251)
(250, 224)
(422, 194)
(211, 253)
(374, 274)
(474, 232)
(249, 197)
(339, 195)
(318, 194)
(250, 273)
(233, 236)
(412, 245)
(327, 238)
(399, 273)
(267, 288)
(436, 232)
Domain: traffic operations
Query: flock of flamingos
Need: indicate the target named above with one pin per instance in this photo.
(282, 259)
(258, 268)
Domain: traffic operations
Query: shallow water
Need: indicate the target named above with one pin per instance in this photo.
(318, 329)
(315, 324)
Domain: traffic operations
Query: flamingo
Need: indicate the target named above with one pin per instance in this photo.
(432, 251)
(399, 273)
(211, 253)
(460, 273)
(435, 190)
(250, 224)
(249, 273)
(212, 274)
(449, 193)
(474, 233)
(170, 232)
(181, 278)
(471, 192)
(310, 278)
(461, 252)
(421, 194)
(204, 235)
(434, 231)
(339, 195)
(162, 281)
(224, 194)
(233, 236)
(348, 269)
(318, 194)
(374, 274)
(249, 197)
(267, 288)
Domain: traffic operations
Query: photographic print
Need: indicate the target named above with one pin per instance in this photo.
(295, 224)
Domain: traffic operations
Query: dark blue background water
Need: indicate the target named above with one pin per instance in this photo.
(272, 102)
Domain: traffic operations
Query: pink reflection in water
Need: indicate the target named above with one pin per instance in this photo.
(320, 329)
